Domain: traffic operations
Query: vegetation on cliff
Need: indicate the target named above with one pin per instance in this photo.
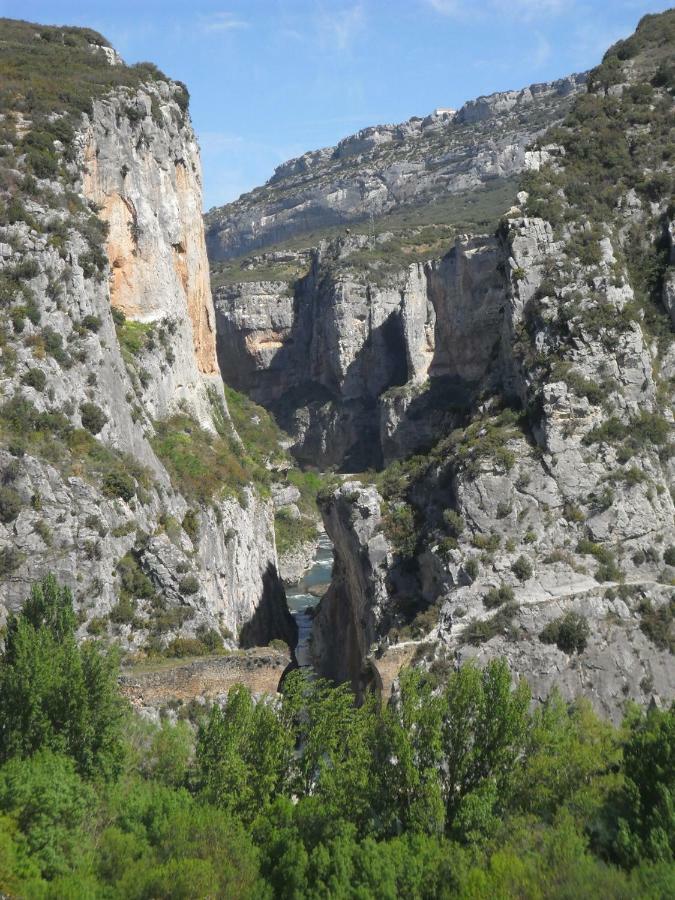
(458, 793)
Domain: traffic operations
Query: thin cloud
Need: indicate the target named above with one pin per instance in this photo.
(523, 10)
(222, 21)
(339, 27)
(542, 51)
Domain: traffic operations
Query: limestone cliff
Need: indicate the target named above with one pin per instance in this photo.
(144, 173)
(345, 361)
(111, 395)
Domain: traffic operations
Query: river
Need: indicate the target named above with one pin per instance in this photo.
(300, 599)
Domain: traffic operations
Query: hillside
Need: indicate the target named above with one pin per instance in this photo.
(392, 169)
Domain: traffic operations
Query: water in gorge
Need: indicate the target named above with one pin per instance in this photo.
(300, 599)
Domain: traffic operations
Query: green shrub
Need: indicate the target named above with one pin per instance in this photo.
(454, 523)
(569, 632)
(471, 567)
(10, 504)
(189, 584)
(135, 584)
(522, 568)
(34, 378)
(657, 622)
(400, 529)
(201, 465)
(91, 323)
(669, 555)
(124, 612)
(480, 631)
(93, 417)
(290, 533)
(497, 596)
(119, 484)
(489, 542)
(212, 640)
(185, 646)
(10, 559)
(97, 626)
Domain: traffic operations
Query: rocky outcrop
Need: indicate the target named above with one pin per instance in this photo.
(354, 612)
(144, 174)
(387, 167)
(520, 521)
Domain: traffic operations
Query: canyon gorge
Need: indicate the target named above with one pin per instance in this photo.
(426, 340)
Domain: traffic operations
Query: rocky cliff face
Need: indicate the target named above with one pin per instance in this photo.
(532, 536)
(388, 167)
(344, 362)
(144, 173)
(110, 386)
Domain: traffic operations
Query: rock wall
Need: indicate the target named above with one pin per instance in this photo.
(343, 362)
(546, 520)
(144, 174)
(86, 494)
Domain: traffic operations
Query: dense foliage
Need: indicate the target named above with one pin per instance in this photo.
(456, 792)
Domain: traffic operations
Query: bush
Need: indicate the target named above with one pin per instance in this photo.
(482, 630)
(93, 417)
(189, 584)
(399, 527)
(496, 596)
(657, 623)
(569, 632)
(135, 583)
(454, 523)
(91, 323)
(34, 378)
(119, 484)
(10, 504)
(471, 567)
(522, 568)
(124, 612)
(10, 559)
(184, 646)
(669, 555)
(211, 639)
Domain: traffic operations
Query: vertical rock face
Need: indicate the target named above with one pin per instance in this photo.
(142, 169)
(83, 390)
(353, 614)
(343, 363)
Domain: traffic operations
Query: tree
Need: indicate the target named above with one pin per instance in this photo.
(647, 802)
(55, 694)
(483, 732)
(243, 753)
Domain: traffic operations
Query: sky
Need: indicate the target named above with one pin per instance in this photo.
(272, 79)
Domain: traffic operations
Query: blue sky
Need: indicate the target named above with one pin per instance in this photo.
(270, 79)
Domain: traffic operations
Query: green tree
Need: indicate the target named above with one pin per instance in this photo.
(647, 802)
(49, 803)
(243, 752)
(483, 733)
(55, 694)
